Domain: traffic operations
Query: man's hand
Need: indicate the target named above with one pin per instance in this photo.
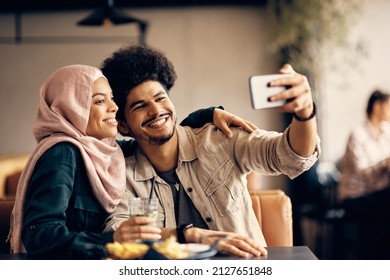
(303, 130)
(298, 91)
(228, 242)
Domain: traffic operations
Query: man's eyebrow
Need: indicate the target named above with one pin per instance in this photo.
(135, 103)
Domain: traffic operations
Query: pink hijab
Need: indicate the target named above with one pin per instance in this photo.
(65, 102)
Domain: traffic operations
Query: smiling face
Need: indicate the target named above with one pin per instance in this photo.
(149, 113)
(102, 122)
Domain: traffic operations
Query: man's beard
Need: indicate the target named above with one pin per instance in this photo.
(160, 140)
(155, 140)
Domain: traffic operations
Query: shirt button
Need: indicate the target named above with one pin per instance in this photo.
(189, 189)
(208, 219)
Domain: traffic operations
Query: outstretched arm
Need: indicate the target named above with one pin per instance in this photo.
(221, 119)
(303, 130)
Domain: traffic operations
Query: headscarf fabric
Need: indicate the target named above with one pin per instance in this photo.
(63, 113)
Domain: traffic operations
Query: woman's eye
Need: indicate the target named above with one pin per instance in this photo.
(101, 101)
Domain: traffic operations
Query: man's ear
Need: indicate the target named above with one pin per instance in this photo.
(122, 127)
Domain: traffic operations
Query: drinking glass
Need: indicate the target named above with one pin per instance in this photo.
(144, 207)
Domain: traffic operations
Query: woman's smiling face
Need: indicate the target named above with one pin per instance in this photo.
(102, 122)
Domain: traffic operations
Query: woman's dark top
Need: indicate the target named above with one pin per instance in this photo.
(61, 214)
(62, 217)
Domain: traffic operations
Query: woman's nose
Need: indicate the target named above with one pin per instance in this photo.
(113, 107)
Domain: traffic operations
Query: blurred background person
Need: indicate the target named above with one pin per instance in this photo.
(364, 183)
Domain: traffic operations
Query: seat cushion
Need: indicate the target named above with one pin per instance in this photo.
(273, 210)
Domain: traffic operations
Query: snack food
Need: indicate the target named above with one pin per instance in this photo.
(168, 248)
(171, 249)
(126, 251)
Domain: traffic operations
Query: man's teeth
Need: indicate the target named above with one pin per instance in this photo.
(160, 122)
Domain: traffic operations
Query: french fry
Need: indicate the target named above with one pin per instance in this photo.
(126, 251)
(171, 249)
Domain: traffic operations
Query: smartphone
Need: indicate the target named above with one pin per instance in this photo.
(260, 91)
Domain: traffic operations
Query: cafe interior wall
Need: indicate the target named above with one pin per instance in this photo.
(346, 88)
(214, 50)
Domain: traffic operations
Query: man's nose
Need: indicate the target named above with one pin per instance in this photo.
(154, 108)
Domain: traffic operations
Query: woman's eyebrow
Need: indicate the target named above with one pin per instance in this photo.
(98, 93)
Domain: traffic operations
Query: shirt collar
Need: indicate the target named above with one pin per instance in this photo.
(384, 127)
(186, 141)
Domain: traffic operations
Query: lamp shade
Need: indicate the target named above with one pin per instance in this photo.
(115, 16)
(108, 14)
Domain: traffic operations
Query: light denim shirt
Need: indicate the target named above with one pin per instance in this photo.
(213, 168)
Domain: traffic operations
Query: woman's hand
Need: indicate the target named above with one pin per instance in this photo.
(224, 119)
(137, 229)
(228, 242)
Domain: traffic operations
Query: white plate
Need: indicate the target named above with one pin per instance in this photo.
(200, 251)
(195, 248)
(195, 251)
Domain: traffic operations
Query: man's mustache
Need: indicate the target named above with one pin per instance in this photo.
(155, 117)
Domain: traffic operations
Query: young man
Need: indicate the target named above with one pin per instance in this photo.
(199, 174)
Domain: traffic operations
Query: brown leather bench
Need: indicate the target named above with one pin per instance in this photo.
(274, 214)
(6, 205)
(10, 170)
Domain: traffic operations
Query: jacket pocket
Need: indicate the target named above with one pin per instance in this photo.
(224, 189)
(87, 203)
(87, 214)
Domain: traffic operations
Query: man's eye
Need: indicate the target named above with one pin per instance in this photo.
(139, 107)
(160, 98)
